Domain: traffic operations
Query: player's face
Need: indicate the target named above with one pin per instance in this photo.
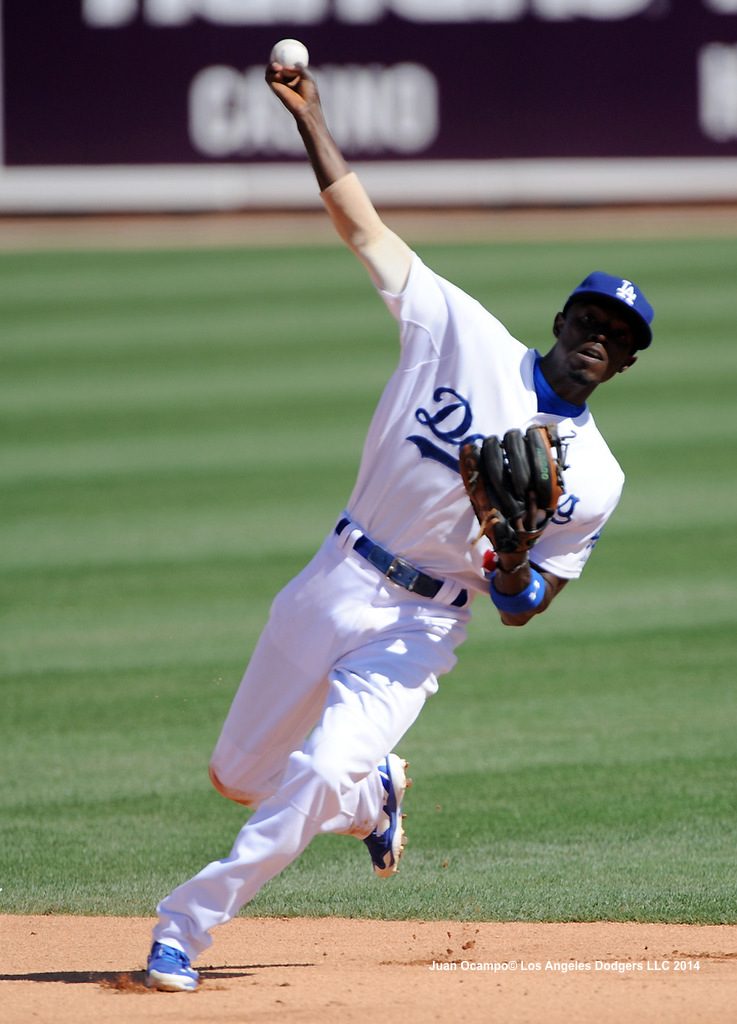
(595, 341)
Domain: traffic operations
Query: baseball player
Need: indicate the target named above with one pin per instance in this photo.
(355, 644)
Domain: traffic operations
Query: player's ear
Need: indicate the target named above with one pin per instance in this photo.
(626, 365)
(558, 324)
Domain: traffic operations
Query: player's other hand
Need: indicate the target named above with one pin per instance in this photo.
(295, 87)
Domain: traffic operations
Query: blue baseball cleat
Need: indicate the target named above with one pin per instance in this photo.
(169, 970)
(386, 843)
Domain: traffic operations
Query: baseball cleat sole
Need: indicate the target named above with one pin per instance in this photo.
(170, 982)
(387, 847)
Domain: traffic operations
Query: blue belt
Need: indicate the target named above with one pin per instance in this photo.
(399, 570)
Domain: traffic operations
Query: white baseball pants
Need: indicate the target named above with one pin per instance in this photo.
(340, 673)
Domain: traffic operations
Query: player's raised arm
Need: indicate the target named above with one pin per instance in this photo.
(354, 216)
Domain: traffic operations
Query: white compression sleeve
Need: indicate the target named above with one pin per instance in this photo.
(384, 254)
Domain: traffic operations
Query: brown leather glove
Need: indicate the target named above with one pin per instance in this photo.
(514, 485)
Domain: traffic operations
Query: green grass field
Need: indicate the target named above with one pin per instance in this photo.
(179, 431)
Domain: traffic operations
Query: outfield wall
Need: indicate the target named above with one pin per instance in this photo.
(160, 104)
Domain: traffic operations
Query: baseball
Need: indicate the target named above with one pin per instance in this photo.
(290, 53)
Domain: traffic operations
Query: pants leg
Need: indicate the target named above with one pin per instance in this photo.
(284, 688)
(276, 706)
(330, 785)
(372, 654)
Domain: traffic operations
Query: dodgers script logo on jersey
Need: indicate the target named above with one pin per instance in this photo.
(450, 424)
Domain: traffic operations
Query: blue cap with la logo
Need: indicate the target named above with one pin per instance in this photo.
(624, 291)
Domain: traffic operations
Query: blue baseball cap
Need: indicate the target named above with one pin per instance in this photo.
(625, 292)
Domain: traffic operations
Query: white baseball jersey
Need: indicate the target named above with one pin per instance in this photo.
(462, 376)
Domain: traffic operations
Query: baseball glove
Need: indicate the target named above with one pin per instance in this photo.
(514, 485)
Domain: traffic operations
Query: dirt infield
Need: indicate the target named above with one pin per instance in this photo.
(417, 226)
(333, 971)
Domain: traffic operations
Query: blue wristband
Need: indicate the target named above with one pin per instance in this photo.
(526, 601)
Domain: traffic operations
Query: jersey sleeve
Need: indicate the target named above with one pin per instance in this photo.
(421, 308)
(566, 545)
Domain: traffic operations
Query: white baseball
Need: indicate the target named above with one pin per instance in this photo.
(290, 53)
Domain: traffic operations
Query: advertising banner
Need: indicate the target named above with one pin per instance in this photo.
(133, 87)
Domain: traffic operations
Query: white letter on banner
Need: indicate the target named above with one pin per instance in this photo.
(108, 13)
(216, 110)
(263, 12)
(723, 6)
(413, 94)
(440, 11)
(718, 91)
(359, 12)
(235, 12)
(170, 12)
(597, 10)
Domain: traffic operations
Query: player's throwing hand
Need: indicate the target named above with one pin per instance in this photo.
(294, 86)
